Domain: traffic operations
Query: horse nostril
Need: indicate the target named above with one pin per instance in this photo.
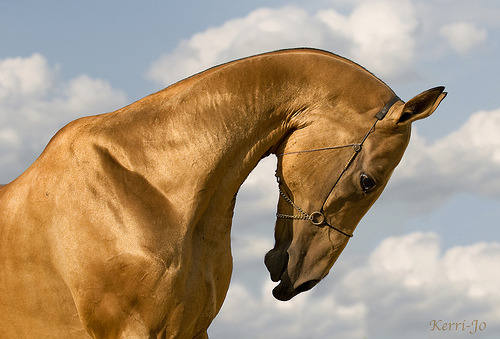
(307, 286)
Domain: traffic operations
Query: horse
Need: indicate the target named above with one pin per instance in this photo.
(121, 227)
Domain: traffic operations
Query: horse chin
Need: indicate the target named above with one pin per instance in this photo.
(284, 291)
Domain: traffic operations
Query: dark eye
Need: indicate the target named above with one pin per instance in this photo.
(367, 182)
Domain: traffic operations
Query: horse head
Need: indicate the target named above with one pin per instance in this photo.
(326, 190)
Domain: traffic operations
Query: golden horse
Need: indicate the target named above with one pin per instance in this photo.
(121, 228)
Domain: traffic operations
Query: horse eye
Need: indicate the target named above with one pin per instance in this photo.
(367, 182)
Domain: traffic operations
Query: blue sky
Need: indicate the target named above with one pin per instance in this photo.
(429, 249)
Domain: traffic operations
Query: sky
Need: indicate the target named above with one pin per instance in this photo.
(427, 253)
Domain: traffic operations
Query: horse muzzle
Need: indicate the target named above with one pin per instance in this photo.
(277, 264)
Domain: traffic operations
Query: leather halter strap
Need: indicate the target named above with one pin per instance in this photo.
(318, 218)
(382, 113)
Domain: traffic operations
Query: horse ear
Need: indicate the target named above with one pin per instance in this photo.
(420, 106)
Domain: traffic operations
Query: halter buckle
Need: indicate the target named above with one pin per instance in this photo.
(317, 218)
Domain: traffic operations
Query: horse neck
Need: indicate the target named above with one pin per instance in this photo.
(198, 145)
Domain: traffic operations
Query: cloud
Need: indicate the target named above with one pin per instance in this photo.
(405, 284)
(22, 78)
(467, 160)
(35, 102)
(412, 284)
(463, 37)
(262, 30)
(376, 33)
(258, 315)
(259, 192)
(380, 34)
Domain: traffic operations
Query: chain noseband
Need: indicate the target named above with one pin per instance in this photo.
(317, 218)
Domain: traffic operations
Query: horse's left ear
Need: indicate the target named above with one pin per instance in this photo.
(420, 106)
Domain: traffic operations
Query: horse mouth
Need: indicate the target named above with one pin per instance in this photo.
(277, 263)
(286, 290)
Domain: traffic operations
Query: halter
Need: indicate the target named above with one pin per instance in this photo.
(318, 218)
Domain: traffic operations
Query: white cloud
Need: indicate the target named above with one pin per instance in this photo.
(467, 160)
(410, 283)
(258, 315)
(463, 36)
(376, 33)
(35, 102)
(259, 191)
(251, 248)
(261, 30)
(22, 78)
(380, 34)
(405, 284)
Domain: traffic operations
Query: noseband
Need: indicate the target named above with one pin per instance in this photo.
(318, 218)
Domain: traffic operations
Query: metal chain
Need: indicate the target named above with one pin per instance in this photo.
(289, 216)
(304, 216)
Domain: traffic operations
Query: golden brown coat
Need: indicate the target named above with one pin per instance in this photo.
(121, 228)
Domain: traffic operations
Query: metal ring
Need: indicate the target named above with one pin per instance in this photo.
(357, 147)
(317, 218)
